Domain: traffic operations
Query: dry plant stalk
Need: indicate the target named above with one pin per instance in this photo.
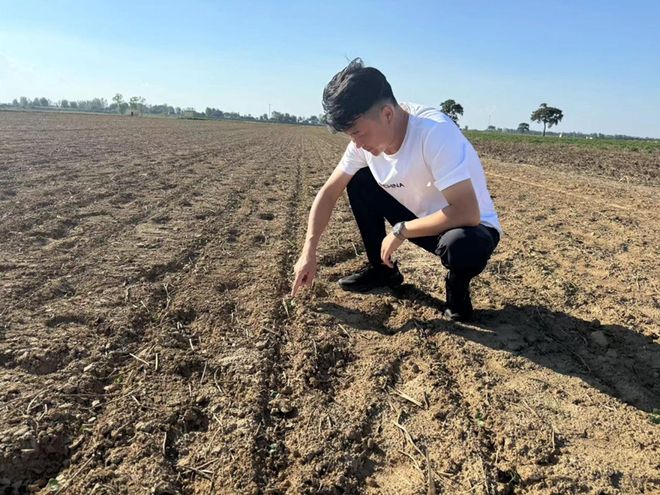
(407, 435)
(429, 474)
(408, 398)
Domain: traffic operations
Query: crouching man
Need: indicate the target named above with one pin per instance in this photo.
(409, 165)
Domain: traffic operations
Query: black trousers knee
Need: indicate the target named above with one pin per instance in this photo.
(463, 250)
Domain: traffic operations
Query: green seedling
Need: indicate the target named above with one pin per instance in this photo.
(273, 448)
(289, 305)
(53, 485)
(655, 416)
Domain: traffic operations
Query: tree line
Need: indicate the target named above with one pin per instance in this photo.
(137, 105)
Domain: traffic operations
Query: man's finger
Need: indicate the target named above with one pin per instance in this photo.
(296, 284)
(385, 256)
(388, 258)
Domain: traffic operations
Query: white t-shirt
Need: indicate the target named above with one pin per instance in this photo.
(434, 155)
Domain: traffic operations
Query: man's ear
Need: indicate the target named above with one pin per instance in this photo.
(388, 114)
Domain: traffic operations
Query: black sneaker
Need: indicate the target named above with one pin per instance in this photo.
(459, 305)
(372, 278)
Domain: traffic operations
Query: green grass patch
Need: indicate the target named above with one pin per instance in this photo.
(640, 145)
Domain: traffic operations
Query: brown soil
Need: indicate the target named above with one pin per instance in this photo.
(147, 345)
(624, 165)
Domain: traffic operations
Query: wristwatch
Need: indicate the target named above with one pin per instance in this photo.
(397, 230)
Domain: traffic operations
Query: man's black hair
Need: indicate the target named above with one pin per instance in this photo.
(352, 92)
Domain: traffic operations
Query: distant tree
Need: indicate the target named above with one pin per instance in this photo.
(24, 101)
(97, 104)
(133, 103)
(523, 127)
(491, 128)
(119, 100)
(64, 103)
(160, 109)
(214, 113)
(73, 104)
(284, 118)
(451, 108)
(137, 104)
(14, 102)
(36, 102)
(548, 115)
(43, 102)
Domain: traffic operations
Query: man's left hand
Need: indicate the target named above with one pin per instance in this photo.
(390, 244)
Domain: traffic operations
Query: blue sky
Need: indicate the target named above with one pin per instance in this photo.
(597, 61)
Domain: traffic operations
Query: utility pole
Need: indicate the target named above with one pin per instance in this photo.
(269, 111)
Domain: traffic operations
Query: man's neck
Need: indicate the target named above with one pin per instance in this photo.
(400, 128)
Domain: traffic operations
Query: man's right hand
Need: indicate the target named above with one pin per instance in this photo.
(319, 216)
(304, 271)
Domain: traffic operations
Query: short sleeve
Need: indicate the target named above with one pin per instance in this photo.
(444, 152)
(353, 159)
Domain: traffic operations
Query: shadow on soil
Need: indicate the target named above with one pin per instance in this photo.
(616, 360)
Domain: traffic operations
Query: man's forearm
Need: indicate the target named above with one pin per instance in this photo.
(319, 217)
(438, 222)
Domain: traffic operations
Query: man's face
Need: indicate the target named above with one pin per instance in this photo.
(370, 132)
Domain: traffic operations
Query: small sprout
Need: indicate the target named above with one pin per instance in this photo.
(510, 477)
(53, 485)
(289, 305)
(480, 419)
(655, 416)
(273, 448)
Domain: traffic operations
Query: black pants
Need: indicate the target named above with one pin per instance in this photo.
(463, 250)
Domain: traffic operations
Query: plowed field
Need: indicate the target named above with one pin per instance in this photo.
(148, 346)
